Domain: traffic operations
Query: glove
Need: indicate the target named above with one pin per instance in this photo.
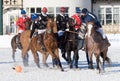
(67, 29)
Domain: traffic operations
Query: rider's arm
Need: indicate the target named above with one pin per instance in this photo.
(33, 30)
(58, 22)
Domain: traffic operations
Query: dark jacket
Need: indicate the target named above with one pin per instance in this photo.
(91, 17)
(62, 22)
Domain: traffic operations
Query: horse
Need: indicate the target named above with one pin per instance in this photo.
(14, 39)
(94, 44)
(71, 44)
(50, 44)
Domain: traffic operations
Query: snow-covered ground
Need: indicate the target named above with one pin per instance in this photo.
(32, 73)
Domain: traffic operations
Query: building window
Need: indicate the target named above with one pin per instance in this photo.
(32, 10)
(51, 11)
(116, 16)
(109, 15)
(38, 10)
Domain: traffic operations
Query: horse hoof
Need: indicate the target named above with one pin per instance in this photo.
(62, 69)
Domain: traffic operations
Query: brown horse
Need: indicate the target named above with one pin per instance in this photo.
(49, 42)
(95, 45)
(14, 41)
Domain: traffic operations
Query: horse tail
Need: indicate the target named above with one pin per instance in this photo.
(107, 59)
(13, 43)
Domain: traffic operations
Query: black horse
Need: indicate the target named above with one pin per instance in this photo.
(71, 42)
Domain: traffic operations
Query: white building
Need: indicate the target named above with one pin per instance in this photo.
(34, 6)
(107, 11)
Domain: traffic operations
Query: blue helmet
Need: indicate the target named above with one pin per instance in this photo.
(78, 10)
(84, 10)
(23, 12)
(34, 16)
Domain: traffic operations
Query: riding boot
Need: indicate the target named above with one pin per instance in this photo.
(40, 39)
(18, 41)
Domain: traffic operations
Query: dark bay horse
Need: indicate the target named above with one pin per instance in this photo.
(71, 44)
(14, 39)
(50, 43)
(95, 45)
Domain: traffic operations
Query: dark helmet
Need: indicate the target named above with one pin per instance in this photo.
(34, 16)
(62, 9)
(23, 12)
(84, 10)
(44, 9)
(78, 10)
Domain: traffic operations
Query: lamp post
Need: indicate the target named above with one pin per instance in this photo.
(1, 17)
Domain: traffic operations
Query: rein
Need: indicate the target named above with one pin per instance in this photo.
(72, 32)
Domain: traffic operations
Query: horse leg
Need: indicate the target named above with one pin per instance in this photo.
(63, 55)
(14, 47)
(13, 55)
(105, 57)
(87, 57)
(55, 59)
(76, 56)
(44, 58)
(36, 57)
(91, 61)
(57, 54)
(25, 57)
(69, 59)
(99, 65)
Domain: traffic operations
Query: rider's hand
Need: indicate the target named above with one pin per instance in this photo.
(67, 29)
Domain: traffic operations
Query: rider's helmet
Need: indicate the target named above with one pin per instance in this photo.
(44, 9)
(34, 16)
(23, 12)
(78, 10)
(84, 11)
(62, 9)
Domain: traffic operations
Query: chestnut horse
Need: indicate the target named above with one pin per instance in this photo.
(95, 45)
(50, 43)
(14, 39)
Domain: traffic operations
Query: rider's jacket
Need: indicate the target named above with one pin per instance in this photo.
(21, 23)
(61, 21)
(91, 17)
(78, 21)
(43, 20)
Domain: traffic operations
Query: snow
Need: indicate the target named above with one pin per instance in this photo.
(32, 73)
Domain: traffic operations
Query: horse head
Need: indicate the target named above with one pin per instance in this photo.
(71, 23)
(28, 23)
(50, 24)
(90, 28)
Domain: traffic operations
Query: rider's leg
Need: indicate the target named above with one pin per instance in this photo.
(18, 41)
(100, 30)
(40, 39)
